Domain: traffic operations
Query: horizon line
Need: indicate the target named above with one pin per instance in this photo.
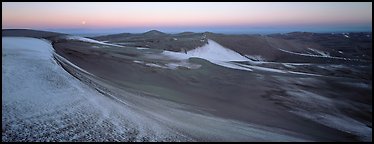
(207, 31)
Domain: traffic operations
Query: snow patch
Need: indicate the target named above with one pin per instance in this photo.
(71, 64)
(212, 52)
(173, 65)
(263, 68)
(255, 57)
(332, 57)
(141, 48)
(136, 61)
(185, 64)
(345, 35)
(154, 65)
(288, 65)
(276, 70)
(324, 54)
(78, 38)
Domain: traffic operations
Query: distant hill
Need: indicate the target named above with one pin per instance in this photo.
(154, 33)
(289, 47)
(158, 40)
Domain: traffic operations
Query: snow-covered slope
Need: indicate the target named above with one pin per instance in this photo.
(212, 52)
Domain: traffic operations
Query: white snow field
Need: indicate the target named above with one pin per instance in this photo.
(43, 102)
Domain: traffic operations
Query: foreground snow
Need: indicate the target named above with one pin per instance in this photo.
(42, 102)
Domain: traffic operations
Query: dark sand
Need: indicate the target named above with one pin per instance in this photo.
(211, 89)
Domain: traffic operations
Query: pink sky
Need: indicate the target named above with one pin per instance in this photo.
(116, 15)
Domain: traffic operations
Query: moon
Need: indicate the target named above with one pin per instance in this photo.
(83, 22)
